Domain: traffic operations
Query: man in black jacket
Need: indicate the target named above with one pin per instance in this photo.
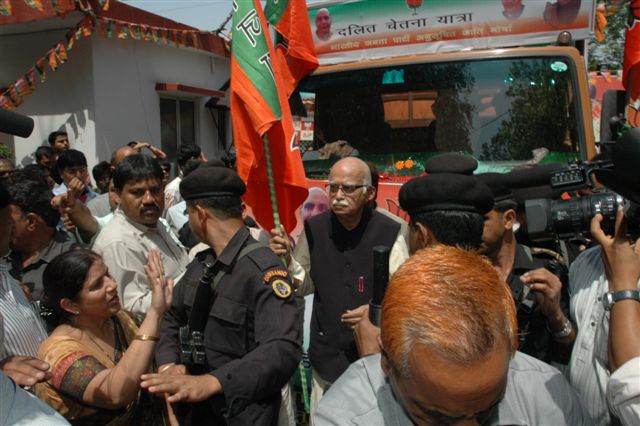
(334, 261)
(541, 298)
(250, 328)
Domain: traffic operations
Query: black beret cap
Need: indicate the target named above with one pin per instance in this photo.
(445, 191)
(451, 163)
(495, 182)
(211, 179)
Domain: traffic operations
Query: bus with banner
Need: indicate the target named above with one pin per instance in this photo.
(402, 80)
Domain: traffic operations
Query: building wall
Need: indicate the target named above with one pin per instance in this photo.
(63, 102)
(126, 101)
(105, 96)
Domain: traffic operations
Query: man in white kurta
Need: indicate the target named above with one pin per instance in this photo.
(125, 241)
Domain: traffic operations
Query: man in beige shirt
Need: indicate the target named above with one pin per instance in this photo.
(135, 229)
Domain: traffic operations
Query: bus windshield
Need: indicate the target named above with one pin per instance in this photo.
(504, 112)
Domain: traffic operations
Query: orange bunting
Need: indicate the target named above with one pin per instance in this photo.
(71, 40)
(5, 7)
(35, 4)
(22, 87)
(87, 27)
(31, 78)
(57, 6)
(61, 53)
(40, 66)
(53, 61)
(5, 103)
(14, 96)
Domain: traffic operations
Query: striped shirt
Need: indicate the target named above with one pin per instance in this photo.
(22, 327)
(587, 370)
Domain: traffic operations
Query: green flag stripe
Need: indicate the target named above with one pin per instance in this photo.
(274, 10)
(249, 48)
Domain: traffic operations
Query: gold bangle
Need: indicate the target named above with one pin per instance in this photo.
(146, 337)
(165, 367)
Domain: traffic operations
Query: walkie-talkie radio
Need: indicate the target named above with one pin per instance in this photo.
(191, 336)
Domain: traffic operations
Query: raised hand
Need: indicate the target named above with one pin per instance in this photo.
(161, 287)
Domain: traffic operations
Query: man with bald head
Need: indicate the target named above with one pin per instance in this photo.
(323, 25)
(317, 202)
(333, 260)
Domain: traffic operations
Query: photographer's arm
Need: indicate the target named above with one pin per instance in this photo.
(622, 265)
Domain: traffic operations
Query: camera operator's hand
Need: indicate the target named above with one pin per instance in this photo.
(621, 260)
(547, 289)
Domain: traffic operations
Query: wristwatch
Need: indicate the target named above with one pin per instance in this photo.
(612, 297)
(566, 329)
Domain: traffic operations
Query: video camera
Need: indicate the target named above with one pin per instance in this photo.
(567, 219)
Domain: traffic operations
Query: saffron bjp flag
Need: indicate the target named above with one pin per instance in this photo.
(259, 108)
(295, 51)
(631, 65)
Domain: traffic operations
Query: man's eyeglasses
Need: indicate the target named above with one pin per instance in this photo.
(333, 188)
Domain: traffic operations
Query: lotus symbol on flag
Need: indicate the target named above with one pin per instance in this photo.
(414, 4)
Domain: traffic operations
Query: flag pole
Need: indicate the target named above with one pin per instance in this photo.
(272, 185)
(276, 221)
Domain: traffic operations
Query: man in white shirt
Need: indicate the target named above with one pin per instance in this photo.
(21, 329)
(125, 241)
(593, 355)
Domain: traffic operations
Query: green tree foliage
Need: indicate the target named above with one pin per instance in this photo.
(535, 90)
(5, 152)
(611, 51)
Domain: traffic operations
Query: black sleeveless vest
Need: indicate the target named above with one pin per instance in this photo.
(341, 269)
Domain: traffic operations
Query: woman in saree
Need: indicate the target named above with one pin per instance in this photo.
(96, 351)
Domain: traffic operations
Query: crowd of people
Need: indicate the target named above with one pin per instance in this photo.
(151, 300)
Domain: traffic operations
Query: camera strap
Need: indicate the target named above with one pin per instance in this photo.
(206, 289)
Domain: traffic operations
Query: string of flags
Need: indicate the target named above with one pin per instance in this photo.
(122, 30)
(25, 85)
(6, 7)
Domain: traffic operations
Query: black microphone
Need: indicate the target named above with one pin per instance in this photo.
(380, 279)
(533, 176)
(15, 124)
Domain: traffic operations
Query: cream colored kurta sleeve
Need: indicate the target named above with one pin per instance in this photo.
(399, 252)
(300, 267)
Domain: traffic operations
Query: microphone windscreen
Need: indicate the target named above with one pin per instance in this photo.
(15, 124)
(532, 176)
